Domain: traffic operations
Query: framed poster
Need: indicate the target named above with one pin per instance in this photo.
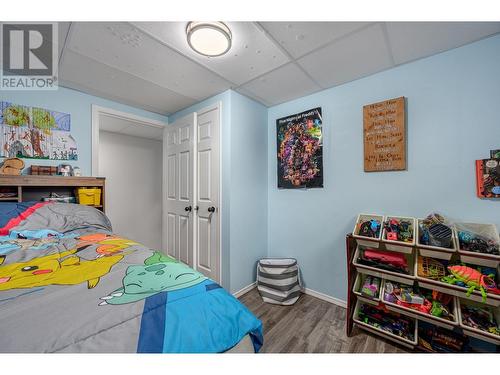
(384, 136)
(300, 150)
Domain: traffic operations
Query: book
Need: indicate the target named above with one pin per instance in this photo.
(488, 178)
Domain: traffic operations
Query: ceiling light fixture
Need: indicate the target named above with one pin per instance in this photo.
(209, 38)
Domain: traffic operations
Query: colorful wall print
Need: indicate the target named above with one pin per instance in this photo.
(35, 133)
(300, 150)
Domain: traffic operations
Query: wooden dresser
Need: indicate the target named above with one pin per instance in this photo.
(33, 188)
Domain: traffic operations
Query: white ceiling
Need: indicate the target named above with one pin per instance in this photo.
(136, 129)
(150, 65)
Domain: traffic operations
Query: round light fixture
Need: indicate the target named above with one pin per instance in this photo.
(209, 38)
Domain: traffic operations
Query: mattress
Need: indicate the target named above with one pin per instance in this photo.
(69, 284)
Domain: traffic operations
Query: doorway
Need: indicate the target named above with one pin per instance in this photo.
(127, 150)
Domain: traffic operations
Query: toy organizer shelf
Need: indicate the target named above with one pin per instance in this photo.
(357, 273)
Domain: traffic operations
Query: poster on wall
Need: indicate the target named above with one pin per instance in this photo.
(35, 133)
(300, 150)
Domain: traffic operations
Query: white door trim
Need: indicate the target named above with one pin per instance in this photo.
(217, 106)
(99, 110)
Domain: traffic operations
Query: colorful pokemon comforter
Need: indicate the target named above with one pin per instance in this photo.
(68, 284)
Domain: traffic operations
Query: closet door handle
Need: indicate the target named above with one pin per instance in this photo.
(211, 209)
(188, 208)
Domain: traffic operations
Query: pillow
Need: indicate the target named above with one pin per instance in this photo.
(59, 217)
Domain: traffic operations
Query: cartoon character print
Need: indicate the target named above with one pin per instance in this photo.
(22, 244)
(68, 267)
(105, 244)
(28, 240)
(65, 268)
(159, 273)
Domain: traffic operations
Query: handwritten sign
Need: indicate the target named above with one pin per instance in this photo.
(384, 131)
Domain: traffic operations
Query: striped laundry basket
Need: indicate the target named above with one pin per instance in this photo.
(278, 280)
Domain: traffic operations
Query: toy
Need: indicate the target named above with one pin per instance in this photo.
(445, 299)
(440, 235)
(433, 218)
(480, 318)
(371, 286)
(12, 166)
(393, 236)
(408, 295)
(430, 268)
(385, 320)
(473, 279)
(439, 310)
(397, 230)
(434, 231)
(476, 243)
(370, 228)
(420, 300)
(437, 339)
(386, 257)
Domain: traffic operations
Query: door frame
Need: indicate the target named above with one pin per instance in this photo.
(99, 110)
(217, 106)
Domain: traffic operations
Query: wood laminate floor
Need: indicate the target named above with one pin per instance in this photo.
(311, 326)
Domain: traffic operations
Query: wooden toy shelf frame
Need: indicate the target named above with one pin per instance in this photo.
(29, 188)
(351, 245)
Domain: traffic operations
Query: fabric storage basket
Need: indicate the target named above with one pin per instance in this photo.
(278, 280)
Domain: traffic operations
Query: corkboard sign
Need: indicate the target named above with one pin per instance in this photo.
(384, 132)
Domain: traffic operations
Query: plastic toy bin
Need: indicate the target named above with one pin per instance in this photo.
(442, 322)
(89, 196)
(368, 241)
(436, 251)
(358, 284)
(385, 274)
(476, 332)
(454, 290)
(480, 259)
(400, 246)
(389, 335)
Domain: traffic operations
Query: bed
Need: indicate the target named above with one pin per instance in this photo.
(69, 284)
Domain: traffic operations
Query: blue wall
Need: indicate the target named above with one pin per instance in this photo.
(244, 185)
(248, 189)
(453, 119)
(79, 105)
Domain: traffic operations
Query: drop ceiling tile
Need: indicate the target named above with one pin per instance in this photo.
(413, 40)
(124, 47)
(355, 56)
(285, 83)
(299, 38)
(81, 73)
(243, 91)
(252, 53)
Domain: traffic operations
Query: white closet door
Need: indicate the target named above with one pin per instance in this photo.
(207, 193)
(178, 196)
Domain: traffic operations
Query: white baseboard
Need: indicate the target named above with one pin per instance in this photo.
(321, 296)
(245, 290)
(325, 297)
